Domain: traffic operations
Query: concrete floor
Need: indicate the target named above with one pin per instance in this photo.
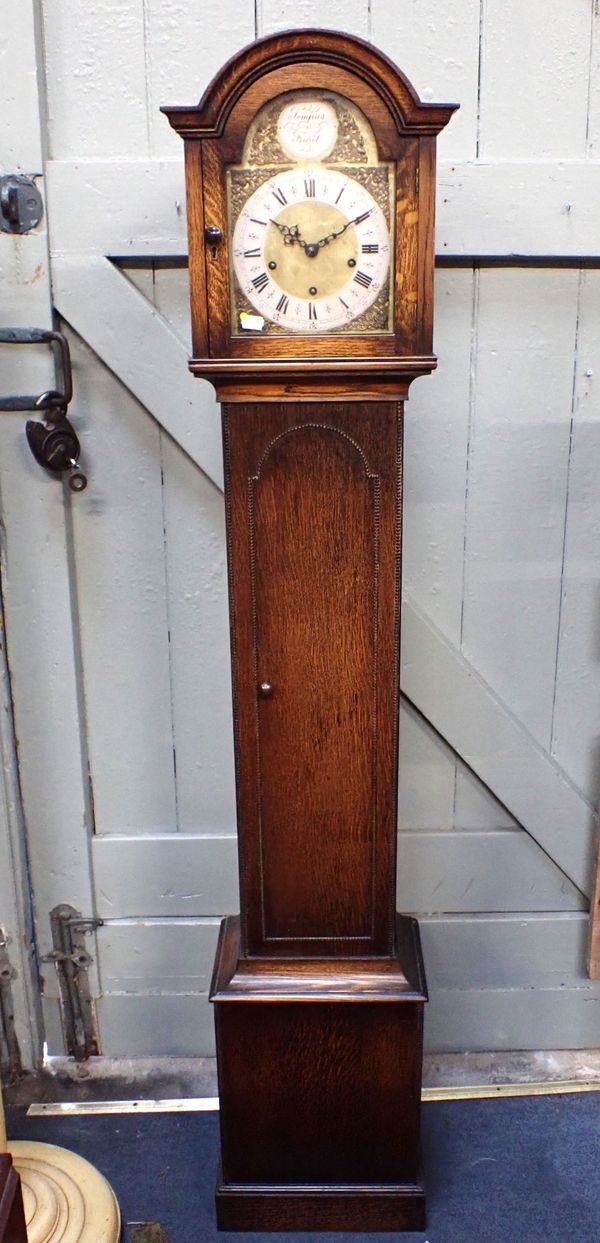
(168, 1078)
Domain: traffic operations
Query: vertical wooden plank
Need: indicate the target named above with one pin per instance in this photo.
(593, 134)
(534, 79)
(200, 660)
(198, 616)
(436, 438)
(437, 47)
(185, 45)
(435, 460)
(576, 724)
(118, 527)
(349, 16)
(41, 643)
(96, 79)
(15, 914)
(518, 466)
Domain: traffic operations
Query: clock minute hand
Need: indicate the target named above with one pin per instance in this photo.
(324, 241)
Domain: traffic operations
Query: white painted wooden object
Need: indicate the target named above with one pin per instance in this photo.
(181, 874)
(500, 530)
(496, 980)
(484, 207)
(577, 691)
(451, 669)
(35, 563)
(494, 743)
(16, 931)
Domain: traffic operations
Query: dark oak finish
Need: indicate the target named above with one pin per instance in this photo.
(320, 1088)
(313, 504)
(404, 129)
(12, 1217)
(319, 986)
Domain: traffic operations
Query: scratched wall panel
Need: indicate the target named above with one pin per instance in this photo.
(471, 871)
(186, 44)
(349, 16)
(577, 708)
(437, 47)
(534, 79)
(518, 463)
(95, 79)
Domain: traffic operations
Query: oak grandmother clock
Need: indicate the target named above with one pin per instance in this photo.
(310, 168)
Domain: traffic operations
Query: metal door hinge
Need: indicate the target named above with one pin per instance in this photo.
(10, 1055)
(72, 962)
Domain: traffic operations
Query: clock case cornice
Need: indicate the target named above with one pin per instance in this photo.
(208, 118)
(276, 367)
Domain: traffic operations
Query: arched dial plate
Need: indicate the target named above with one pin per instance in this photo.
(311, 249)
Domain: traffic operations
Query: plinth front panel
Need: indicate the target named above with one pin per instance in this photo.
(314, 531)
(319, 1093)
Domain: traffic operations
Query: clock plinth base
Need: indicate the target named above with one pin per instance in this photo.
(364, 1209)
(320, 1086)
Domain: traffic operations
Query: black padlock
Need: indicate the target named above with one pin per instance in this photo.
(55, 446)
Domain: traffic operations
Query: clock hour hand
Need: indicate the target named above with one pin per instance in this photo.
(289, 232)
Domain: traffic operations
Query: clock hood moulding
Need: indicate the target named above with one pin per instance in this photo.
(292, 358)
(411, 116)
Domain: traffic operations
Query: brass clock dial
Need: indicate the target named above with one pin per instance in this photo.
(310, 222)
(311, 249)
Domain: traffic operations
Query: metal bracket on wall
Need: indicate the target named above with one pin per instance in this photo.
(72, 961)
(10, 1056)
(21, 204)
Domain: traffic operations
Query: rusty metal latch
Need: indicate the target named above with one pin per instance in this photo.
(72, 961)
(10, 1057)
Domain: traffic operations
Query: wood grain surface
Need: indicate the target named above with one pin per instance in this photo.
(313, 504)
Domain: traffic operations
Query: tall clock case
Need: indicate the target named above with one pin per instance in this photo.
(318, 986)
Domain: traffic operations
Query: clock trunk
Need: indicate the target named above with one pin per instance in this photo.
(318, 987)
(314, 523)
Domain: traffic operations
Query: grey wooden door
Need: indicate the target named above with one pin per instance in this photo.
(116, 602)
